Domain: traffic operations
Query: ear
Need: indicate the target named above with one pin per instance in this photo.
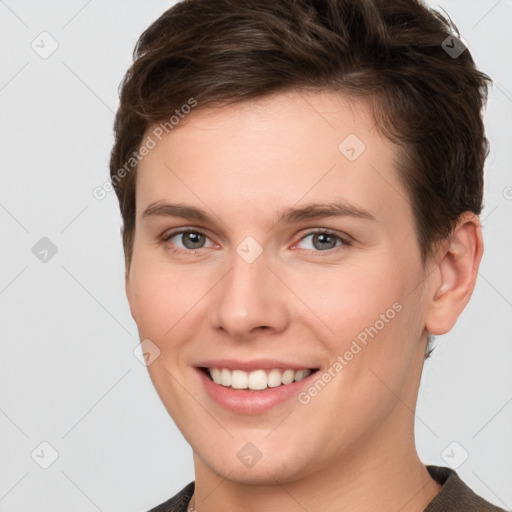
(456, 270)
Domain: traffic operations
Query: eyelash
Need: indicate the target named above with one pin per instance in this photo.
(346, 242)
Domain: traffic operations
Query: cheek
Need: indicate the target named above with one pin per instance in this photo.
(161, 301)
(372, 355)
(350, 299)
(373, 323)
(164, 306)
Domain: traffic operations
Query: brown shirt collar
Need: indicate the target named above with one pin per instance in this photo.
(454, 496)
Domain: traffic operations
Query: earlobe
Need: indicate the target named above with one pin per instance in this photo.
(458, 261)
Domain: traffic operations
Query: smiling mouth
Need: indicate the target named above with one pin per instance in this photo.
(256, 380)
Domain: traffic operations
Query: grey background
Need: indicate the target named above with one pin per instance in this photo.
(68, 373)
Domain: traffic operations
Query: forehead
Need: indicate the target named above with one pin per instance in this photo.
(278, 150)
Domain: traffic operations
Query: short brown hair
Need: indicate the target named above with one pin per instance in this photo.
(396, 54)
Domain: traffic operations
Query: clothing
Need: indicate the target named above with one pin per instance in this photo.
(454, 496)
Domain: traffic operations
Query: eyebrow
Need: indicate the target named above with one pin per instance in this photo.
(312, 211)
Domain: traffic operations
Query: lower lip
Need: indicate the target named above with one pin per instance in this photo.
(251, 402)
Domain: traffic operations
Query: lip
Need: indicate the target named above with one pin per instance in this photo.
(248, 402)
(249, 366)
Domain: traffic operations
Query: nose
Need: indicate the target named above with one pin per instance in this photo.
(249, 299)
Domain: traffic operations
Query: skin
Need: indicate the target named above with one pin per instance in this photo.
(351, 448)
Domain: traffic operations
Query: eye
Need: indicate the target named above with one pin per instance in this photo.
(187, 241)
(190, 240)
(323, 241)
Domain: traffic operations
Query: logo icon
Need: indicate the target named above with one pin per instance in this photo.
(249, 249)
(454, 455)
(44, 455)
(146, 352)
(453, 46)
(44, 45)
(44, 250)
(352, 147)
(249, 455)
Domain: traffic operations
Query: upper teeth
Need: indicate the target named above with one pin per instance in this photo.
(256, 380)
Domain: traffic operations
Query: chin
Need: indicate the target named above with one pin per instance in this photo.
(247, 465)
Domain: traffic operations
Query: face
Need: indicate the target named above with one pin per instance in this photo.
(275, 249)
